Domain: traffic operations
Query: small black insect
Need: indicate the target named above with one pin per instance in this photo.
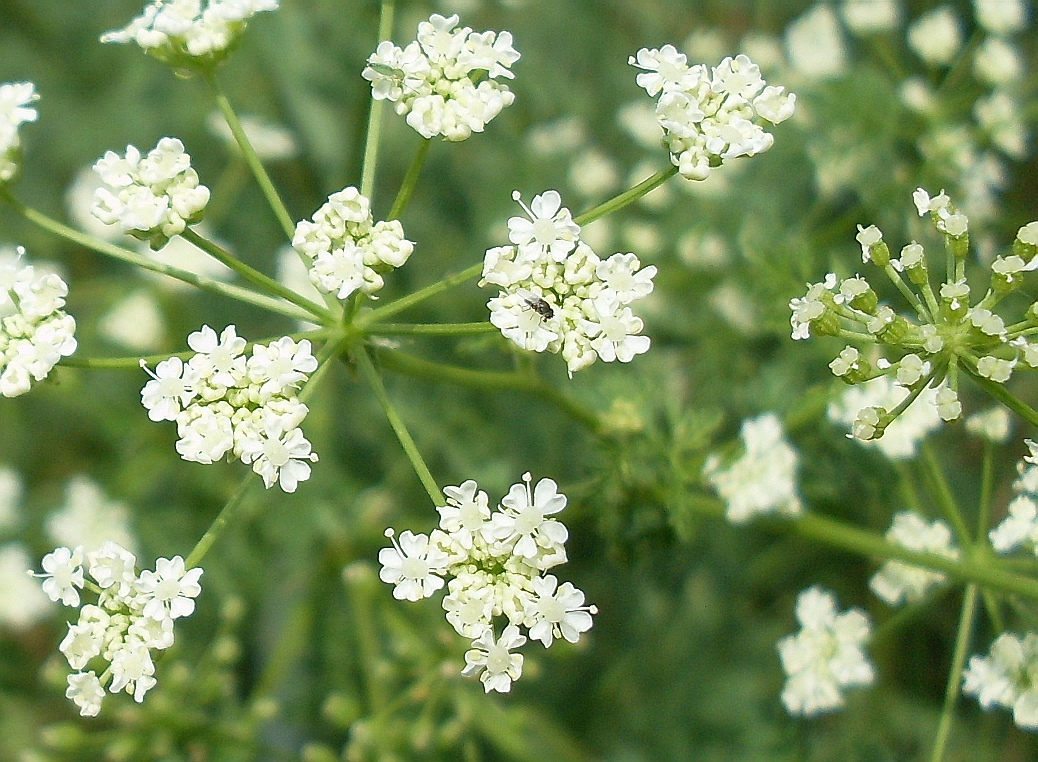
(538, 305)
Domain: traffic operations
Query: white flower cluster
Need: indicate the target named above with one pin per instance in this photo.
(224, 402)
(34, 331)
(15, 110)
(152, 197)
(558, 296)
(897, 582)
(496, 562)
(1006, 677)
(710, 114)
(1020, 528)
(134, 614)
(446, 81)
(826, 656)
(762, 479)
(349, 251)
(187, 32)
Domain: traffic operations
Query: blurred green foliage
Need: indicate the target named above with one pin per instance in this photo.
(289, 657)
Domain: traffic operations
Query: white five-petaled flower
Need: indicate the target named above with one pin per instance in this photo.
(557, 611)
(85, 690)
(63, 575)
(1005, 677)
(525, 519)
(466, 514)
(826, 656)
(413, 565)
(171, 388)
(548, 225)
(170, 590)
(493, 661)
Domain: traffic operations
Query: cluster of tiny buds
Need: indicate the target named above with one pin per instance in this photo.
(133, 616)
(710, 114)
(948, 332)
(227, 403)
(558, 296)
(445, 82)
(496, 563)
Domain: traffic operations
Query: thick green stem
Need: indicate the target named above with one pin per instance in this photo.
(432, 329)
(410, 180)
(982, 571)
(951, 692)
(137, 260)
(263, 281)
(373, 131)
(252, 158)
(627, 197)
(369, 372)
(364, 322)
(493, 380)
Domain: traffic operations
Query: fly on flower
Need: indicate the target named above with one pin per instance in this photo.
(537, 303)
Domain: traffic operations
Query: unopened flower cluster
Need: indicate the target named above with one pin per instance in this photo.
(826, 657)
(133, 616)
(558, 296)
(950, 332)
(1006, 677)
(15, 110)
(710, 114)
(897, 582)
(152, 197)
(348, 250)
(34, 330)
(227, 403)
(186, 33)
(496, 563)
(446, 82)
(1019, 529)
(763, 479)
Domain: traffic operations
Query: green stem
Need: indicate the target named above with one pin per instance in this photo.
(951, 693)
(1003, 395)
(987, 487)
(493, 380)
(402, 434)
(374, 127)
(263, 281)
(944, 496)
(432, 329)
(410, 180)
(627, 197)
(131, 257)
(221, 521)
(895, 277)
(406, 302)
(251, 157)
(868, 544)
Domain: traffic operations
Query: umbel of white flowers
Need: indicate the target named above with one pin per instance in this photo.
(558, 296)
(347, 249)
(445, 82)
(496, 564)
(227, 403)
(34, 330)
(187, 34)
(133, 616)
(947, 334)
(710, 114)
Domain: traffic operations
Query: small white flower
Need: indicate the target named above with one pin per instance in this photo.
(413, 565)
(897, 582)
(524, 521)
(63, 575)
(1004, 677)
(548, 225)
(493, 661)
(936, 36)
(132, 670)
(171, 389)
(557, 611)
(170, 590)
(868, 237)
(466, 515)
(86, 691)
